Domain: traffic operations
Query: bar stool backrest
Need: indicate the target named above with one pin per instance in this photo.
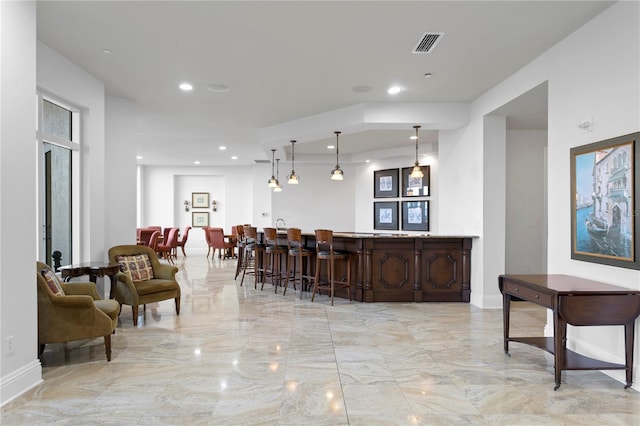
(271, 236)
(251, 233)
(324, 238)
(294, 238)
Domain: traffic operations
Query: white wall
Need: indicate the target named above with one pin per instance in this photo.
(243, 196)
(120, 171)
(526, 202)
(604, 56)
(164, 190)
(19, 369)
(317, 201)
(594, 73)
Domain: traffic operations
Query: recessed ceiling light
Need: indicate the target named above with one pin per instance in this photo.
(139, 157)
(186, 87)
(414, 137)
(234, 157)
(222, 147)
(361, 88)
(394, 90)
(196, 162)
(428, 75)
(218, 87)
(330, 146)
(107, 51)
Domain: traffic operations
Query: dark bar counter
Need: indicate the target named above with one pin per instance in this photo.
(403, 267)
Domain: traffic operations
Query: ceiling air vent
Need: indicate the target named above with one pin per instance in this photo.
(262, 161)
(427, 42)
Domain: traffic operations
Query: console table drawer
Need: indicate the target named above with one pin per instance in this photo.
(527, 294)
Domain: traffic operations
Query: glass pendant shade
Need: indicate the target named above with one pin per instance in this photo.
(416, 171)
(337, 173)
(293, 178)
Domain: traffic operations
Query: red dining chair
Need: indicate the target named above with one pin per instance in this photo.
(182, 241)
(168, 246)
(224, 248)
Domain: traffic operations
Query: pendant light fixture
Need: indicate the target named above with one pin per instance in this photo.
(273, 181)
(337, 173)
(416, 171)
(293, 178)
(278, 188)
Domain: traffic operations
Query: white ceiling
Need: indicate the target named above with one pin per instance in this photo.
(286, 62)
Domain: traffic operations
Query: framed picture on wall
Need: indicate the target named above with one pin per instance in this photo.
(385, 215)
(415, 186)
(385, 183)
(199, 219)
(415, 215)
(604, 187)
(200, 200)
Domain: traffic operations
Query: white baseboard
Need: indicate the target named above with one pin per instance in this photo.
(20, 381)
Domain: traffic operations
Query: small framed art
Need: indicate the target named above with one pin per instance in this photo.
(200, 200)
(199, 219)
(385, 215)
(415, 215)
(415, 186)
(385, 183)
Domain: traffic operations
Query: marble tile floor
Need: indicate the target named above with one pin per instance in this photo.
(239, 356)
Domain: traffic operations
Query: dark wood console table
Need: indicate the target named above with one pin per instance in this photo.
(94, 270)
(575, 301)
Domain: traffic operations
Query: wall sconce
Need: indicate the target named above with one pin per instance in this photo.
(186, 205)
(214, 206)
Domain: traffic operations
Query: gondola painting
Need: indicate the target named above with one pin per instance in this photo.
(603, 197)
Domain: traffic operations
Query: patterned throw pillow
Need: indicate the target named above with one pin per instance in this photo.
(138, 267)
(52, 281)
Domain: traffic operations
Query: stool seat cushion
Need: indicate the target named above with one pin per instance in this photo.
(336, 254)
(296, 251)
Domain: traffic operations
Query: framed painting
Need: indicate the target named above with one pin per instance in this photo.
(604, 187)
(200, 200)
(385, 215)
(415, 187)
(385, 183)
(415, 215)
(199, 219)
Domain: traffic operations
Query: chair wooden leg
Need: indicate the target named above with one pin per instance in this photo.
(107, 346)
(332, 279)
(316, 279)
(134, 310)
(183, 253)
(177, 305)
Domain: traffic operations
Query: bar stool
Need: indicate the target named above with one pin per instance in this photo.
(297, 256)
(325, 252)
(238, 231)
(252, 257)
(273, 252)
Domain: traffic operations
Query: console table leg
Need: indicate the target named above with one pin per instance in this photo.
(559, 342)
(506, 311)
(628, 343)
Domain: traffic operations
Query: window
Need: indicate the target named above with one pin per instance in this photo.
(57, 138)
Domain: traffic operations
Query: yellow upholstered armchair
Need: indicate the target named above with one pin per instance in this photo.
(142, 278)
(72, 311)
